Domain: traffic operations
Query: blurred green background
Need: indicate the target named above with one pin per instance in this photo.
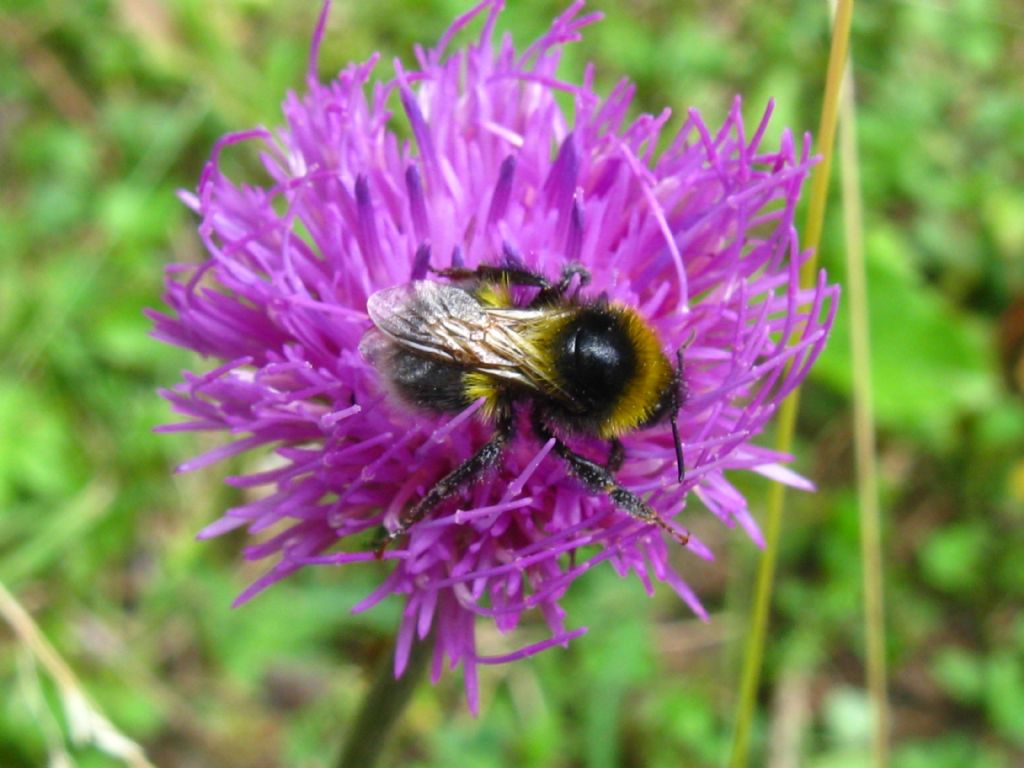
(108, 106)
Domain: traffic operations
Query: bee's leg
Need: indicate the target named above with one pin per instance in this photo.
(599, 480)
(521, 276)
(467, 472)
(616, 453)
(511, 275)
(570, 271)
(554, 292)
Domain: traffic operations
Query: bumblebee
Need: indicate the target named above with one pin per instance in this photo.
(585, 367)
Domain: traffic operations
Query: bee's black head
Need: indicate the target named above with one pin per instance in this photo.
(610, 364)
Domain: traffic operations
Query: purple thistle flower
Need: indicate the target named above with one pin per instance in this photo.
(698, 237)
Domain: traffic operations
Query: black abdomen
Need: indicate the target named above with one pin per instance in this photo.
(426, 383)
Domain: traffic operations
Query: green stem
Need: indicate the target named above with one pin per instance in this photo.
(382, 706)
(864, 424)
(754, 653)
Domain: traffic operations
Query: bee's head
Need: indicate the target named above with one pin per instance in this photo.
(611, 365)
(667, 407)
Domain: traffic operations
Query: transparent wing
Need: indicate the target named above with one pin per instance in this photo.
(448, 323)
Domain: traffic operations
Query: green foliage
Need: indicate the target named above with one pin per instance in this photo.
(109, 106)
(930, 363)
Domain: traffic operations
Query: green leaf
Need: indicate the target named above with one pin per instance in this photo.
(960, 672)
(929, 364)
(952, 558)
(1004, 695)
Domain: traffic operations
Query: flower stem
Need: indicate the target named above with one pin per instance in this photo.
(382, 706)
(864, 423)
(754, 653)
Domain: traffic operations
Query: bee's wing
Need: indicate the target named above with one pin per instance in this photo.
(446, 322)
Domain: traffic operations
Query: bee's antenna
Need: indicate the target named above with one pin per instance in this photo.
(675, 414)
